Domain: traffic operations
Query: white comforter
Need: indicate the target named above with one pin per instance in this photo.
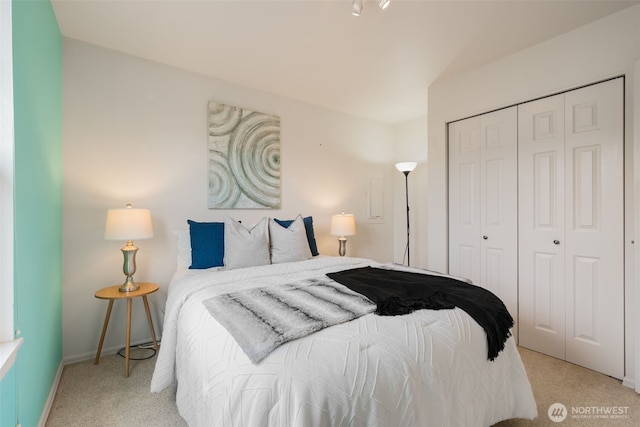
(428, 368)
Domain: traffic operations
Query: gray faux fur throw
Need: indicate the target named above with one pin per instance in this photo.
(262, 319)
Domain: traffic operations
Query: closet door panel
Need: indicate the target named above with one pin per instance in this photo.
(499, 209)
(595, 234)
(541, 226)
(464, 198)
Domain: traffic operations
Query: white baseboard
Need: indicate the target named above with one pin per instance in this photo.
(105, 351)
(629, 382)
(52, 395)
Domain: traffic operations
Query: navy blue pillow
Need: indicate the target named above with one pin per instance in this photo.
(308, 227)
(207, 244)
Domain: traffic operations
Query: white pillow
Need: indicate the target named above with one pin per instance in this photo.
(246, 248)
(183, 246)
(288, 244)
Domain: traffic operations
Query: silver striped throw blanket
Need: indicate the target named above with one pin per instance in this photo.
(262, 319)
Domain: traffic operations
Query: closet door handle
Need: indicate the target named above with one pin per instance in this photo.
(556, 242)
(485, 237)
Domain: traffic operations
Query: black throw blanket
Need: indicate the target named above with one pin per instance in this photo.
(401, 292)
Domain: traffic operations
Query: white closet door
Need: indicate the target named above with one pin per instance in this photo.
(499, 208)
(594, 227)
(541, 210)
(464, 199)
(571, 184)
(483, 203)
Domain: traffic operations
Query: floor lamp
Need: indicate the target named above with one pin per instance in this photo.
(405, 168)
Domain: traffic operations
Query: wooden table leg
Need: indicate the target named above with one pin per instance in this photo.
(104, 331)
(153, 333)
(128, 340)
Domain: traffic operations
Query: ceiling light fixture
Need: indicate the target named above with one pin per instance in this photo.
(357, 6)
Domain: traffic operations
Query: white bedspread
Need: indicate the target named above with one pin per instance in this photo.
(428, 368)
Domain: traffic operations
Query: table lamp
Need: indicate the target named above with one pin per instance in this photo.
(128, 224)
(343, 225)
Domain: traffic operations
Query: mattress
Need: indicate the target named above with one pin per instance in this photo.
(427, 368)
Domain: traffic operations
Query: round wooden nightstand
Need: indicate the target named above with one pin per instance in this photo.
(113, 293)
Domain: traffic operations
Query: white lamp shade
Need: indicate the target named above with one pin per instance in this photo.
(128, 224)
(406, 166)
(343, 225)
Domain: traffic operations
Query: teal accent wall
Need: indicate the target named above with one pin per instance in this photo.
(37, 68)
(8, 399)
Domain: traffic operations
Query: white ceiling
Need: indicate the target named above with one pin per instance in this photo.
(377, 65)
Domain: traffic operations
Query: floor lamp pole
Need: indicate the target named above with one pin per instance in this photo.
(406, 190)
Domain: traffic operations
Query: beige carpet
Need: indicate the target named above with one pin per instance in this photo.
(98, 395)
(580, 390)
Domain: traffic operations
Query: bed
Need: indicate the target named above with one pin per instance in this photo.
(427, 368)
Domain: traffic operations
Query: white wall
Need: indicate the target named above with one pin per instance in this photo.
(594, 52)
(135, 132)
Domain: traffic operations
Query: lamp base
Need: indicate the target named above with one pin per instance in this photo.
(129, 285)
(129, 267)
(342, 249)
